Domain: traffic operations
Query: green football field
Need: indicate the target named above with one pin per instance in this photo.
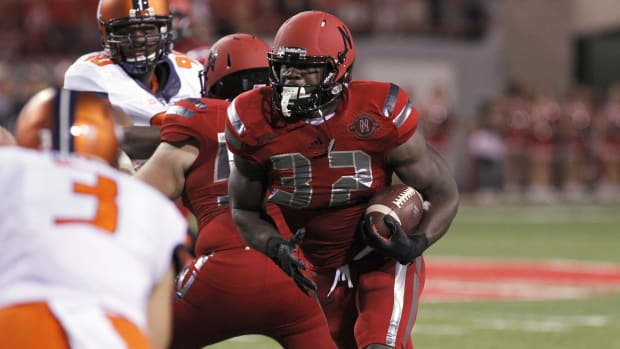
(571, 301)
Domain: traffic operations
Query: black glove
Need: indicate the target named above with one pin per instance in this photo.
(400, 246)
(281, 251)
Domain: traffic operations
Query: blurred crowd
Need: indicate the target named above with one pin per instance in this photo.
(41, 38)
(526, 144)
(462, 19)
(34, 28)
(532, 145)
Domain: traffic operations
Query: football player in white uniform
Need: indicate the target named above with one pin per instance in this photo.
(137, 69)
(85, 252)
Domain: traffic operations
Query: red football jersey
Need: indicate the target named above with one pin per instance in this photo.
(206, 184)
(234, 290)
(323, 171)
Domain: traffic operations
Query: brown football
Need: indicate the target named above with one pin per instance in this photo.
(400, 201)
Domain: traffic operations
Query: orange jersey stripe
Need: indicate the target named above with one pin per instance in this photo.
(34, 326)
(134, 338)
(31, 325)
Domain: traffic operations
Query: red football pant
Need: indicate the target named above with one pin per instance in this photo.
(380, 307)
(240, 291)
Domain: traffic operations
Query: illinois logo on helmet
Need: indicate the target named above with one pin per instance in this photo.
(71, 122)
(236, 63)
(311, 39)
(136, 34)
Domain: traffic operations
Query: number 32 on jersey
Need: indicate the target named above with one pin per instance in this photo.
(361, 177)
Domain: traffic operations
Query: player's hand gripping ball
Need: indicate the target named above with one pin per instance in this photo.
(402, 202)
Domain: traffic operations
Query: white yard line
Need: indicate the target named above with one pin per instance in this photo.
(556, 263)
(520, 323)
(451, 290)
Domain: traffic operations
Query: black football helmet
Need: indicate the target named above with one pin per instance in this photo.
(136, 34)
(311, 39)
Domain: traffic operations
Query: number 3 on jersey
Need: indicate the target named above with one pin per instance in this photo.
(106, 215)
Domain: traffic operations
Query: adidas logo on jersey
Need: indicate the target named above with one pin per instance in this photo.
(317, 142)
(317, 147)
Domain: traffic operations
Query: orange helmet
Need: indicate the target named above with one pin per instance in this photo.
(312, 38)
(136, 34)
(236, 63)
(70, 122)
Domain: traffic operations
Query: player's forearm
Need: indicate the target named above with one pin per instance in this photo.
(161, 178)
(444, 199)
(255, 230)
(166, 169)
(247, 187)
(438, 218)
(139, 142)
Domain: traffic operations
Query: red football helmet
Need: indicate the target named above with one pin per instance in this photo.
(70, 122)
(136, 34)
(312, 38)
(236, 63)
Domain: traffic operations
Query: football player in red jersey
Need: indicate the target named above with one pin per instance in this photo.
(230, 289)
(319, 146)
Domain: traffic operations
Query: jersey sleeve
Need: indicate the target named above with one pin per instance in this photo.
(238, 137)
(188, 70)
(183, 121)
(401, 112)
(84, 75)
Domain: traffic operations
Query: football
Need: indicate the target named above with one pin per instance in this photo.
(400, 201)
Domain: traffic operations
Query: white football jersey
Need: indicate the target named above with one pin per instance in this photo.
(83, 237)
(96, 72)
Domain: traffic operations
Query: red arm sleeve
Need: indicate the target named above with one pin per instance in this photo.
(404, 116)
(186, 119)
(238, 135)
